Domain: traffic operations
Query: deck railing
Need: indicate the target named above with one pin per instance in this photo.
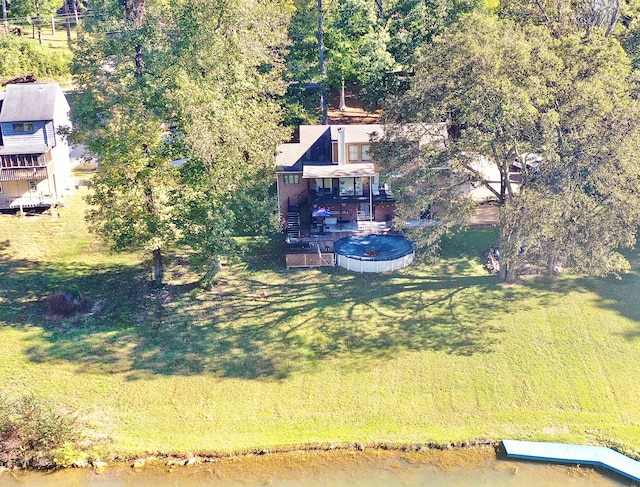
(29, 201)
(35, 173)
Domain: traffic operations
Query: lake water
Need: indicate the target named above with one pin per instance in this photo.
(370, 468)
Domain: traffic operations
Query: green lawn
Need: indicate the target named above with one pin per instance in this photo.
(434, 353)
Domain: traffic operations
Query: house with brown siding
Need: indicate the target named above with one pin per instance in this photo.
(35, 168)
(328, 182)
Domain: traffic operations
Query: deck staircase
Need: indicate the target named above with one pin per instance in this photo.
(293, 221)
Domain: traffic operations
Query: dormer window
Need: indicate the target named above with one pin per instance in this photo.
(23, 127)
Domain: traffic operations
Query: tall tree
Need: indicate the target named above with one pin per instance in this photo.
(561, 17)
(130, 193)
(302, 99)
(357, 49)
(117, 117)
(587, 191)
(188, 82)
(217, 101)
(507, 91)
(371, 46)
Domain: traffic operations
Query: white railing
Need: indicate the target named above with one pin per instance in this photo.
(25, 201)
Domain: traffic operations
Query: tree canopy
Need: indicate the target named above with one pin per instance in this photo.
(181, 82)
(507, 91)
(371, 46)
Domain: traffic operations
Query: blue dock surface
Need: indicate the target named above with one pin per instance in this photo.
(582, 454)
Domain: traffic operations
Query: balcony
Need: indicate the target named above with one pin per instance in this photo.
(36, 173)
(324, 197)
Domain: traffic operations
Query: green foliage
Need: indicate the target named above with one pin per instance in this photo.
(30, 8)
(508, 90)
(413, 24)
(371, 45)
(34, 433)
(587, 188)
(186, 82)
(223, 189)
(21, 56)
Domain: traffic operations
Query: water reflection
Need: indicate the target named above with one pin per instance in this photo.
(472, 468)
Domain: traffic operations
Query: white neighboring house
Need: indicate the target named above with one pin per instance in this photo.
(490, 172)
(35, 168)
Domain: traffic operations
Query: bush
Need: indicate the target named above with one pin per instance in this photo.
(33, 433)
(21, 56)
(67, 303)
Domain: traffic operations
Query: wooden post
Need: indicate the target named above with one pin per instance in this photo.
(66, 16)
(53, 25)
(4, 15)
(39, 22)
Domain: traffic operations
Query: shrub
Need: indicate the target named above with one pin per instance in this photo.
(20, 56)
(33, 432)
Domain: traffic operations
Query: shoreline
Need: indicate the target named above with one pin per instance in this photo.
(209, 457)
(186, 459)
(401, 465)
(157, 460)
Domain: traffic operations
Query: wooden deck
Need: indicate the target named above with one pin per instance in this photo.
(21, 202)
(310, 259)
(574, 454)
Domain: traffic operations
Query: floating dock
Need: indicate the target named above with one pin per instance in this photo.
(576, 454)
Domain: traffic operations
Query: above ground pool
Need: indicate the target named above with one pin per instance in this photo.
(374, 253)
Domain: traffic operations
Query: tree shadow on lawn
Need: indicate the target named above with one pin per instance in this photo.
(253, 325)
(621, 295)
(609, 293)
(272, 331)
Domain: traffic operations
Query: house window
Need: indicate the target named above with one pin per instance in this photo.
(353, 152)
(33, 186)
(365, 153)
(291, 178)
(0, 188)
(23, 127)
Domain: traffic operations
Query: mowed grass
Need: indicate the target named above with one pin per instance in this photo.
(274, 358)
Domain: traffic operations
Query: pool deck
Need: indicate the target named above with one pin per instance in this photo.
(574, 454)
(326, 240)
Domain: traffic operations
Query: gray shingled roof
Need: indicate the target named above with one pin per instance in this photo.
(24, 149)
(357, 133)
(29, 102)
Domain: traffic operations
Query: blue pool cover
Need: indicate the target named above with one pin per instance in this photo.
(374, 247)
